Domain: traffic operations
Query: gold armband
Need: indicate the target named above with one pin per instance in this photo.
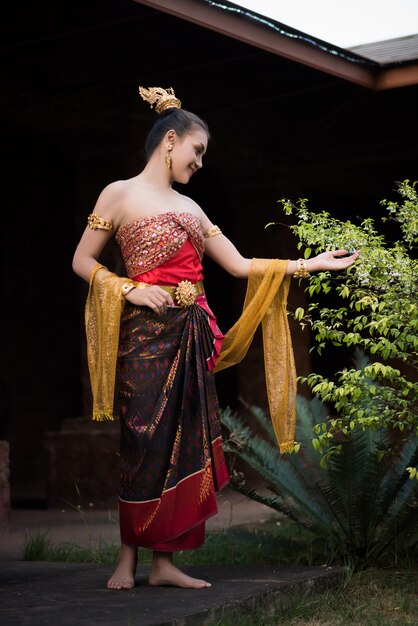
(301, 269)
(95, 221)
(212, 232)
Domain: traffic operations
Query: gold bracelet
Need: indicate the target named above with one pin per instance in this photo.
(301, 269)
(126, 288)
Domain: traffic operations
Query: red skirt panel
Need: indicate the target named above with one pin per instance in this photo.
(172, 462)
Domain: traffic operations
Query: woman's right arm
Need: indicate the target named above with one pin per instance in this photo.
(109, 208)
(92, 242)
(88, 251)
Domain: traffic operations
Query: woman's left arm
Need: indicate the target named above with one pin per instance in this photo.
(222, 251)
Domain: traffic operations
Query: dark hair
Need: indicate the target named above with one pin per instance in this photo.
(177, 119)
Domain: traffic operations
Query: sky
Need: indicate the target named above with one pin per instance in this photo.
(344, 23)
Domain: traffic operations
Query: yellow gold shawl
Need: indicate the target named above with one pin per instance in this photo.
(265, 302)
(104, 307)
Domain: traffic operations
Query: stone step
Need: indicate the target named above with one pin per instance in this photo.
(75, 595)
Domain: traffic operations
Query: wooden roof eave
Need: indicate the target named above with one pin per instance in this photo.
(255, 34)
(398, 76)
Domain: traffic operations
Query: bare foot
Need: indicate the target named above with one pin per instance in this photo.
(164, 572)
(124, 575)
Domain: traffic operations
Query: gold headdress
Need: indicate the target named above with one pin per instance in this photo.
(162, 98)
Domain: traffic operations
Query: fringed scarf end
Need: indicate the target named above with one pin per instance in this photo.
(103, 416)
(289, 446)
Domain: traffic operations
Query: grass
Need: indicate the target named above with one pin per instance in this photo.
(272, 544)
(39, 547)
(275, 543)
(371, 598)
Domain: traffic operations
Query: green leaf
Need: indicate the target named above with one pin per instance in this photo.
(299, 313)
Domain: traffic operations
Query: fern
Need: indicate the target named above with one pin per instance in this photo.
(358, 504)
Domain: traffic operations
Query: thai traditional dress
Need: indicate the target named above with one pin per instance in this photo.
(163, 365)
(172, 462)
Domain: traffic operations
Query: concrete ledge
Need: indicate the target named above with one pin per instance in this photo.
(83, 463)
(41, 594)
(4, 484)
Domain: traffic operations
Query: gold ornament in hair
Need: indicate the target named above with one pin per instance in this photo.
(161, 98)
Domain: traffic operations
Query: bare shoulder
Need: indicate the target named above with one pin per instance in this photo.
(192, 207)
(112, 199)
(114, 190)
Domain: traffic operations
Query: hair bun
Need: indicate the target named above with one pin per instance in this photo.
(161, 98)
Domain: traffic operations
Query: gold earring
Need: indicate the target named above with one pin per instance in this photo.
(168, 149)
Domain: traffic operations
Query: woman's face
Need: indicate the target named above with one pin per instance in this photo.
(187, 154)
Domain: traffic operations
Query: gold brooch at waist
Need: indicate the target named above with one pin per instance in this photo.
(184, 293)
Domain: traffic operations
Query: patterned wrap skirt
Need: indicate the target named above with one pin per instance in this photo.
(172, 463)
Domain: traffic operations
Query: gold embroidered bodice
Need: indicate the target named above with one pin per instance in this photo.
(148, 242)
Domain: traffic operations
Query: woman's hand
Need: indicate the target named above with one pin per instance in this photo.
(153, 296)
(331, 261)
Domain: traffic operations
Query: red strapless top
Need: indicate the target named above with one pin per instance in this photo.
(164, 249)
(183, 265)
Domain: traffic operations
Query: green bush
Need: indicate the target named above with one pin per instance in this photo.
(360, 503)
(376, 310)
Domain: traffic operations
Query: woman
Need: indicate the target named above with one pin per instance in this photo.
(167, 343)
